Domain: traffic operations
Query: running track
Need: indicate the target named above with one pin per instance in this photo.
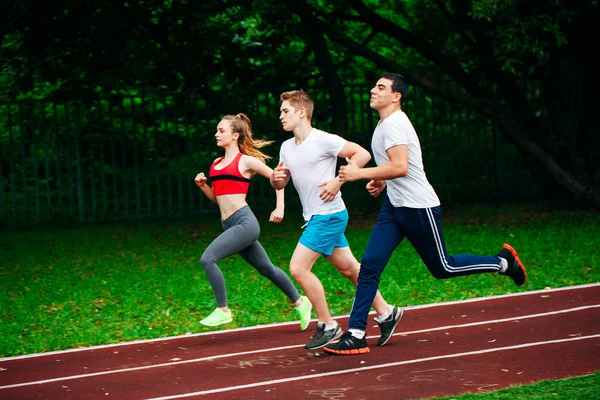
(442, 349)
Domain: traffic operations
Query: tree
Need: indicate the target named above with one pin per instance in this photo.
(512, 61)
(523, 64)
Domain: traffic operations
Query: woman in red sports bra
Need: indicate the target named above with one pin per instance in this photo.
(230, 178)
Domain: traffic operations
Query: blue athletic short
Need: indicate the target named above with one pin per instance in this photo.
(323, 233)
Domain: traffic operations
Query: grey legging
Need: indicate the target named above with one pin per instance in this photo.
(241, 231)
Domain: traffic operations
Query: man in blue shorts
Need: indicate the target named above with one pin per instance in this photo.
(309, 159)
(411, 210)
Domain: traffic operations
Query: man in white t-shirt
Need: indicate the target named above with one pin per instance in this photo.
(411, 210)
(309, 159)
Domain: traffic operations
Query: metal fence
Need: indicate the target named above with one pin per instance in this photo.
(136, 156)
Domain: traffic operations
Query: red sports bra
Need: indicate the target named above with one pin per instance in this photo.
(228, 180)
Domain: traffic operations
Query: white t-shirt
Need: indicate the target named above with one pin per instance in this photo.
(412, 190)
(310, 163)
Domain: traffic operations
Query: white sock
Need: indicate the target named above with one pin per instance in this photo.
(503, 265)
(386, 314)
(357, 333)
(330, 327)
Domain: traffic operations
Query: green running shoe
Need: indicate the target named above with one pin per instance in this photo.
(217, 317)
(304, 310)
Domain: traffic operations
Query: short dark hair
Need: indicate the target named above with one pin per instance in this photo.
(398, 83)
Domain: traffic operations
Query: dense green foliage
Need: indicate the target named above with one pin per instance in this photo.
(524, 65)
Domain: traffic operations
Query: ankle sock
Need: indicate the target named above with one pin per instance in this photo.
(357, 333)
(503, 265)
(386, 314)
(330, 327)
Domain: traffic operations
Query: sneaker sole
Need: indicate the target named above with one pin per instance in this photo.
(519, 263)
(337, 336)
(393, 329)
(220, 323)
(350, 352)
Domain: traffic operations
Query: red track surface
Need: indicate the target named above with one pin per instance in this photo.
(438, 350)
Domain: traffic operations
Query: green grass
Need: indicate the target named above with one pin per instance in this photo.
(578, 388)
(67, 287)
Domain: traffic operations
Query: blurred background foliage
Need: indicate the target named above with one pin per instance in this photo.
(84, 72)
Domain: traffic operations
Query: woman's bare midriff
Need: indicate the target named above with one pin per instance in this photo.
(230, 203)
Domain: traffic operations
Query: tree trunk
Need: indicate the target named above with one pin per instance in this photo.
(582, 192)
(332, 81)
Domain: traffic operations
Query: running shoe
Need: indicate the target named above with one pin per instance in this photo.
(323, 337)
(515, 269)
(348, 345)
(304, 310)
(217, 317)
(389, 325)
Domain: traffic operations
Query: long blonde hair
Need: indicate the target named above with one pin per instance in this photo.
(241, 124)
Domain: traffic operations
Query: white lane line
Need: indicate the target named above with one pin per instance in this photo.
(117, 371)
(501, 296)
(353, 370)
(220, 332)
(272, 349)
(493, 321)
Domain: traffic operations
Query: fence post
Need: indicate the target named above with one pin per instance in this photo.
(80, 191)
(33, 152)
(23, 166)
(12, 163)
(113, 159)
(136, 166)
(46, 160)
(1, 187)
(499, 158)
